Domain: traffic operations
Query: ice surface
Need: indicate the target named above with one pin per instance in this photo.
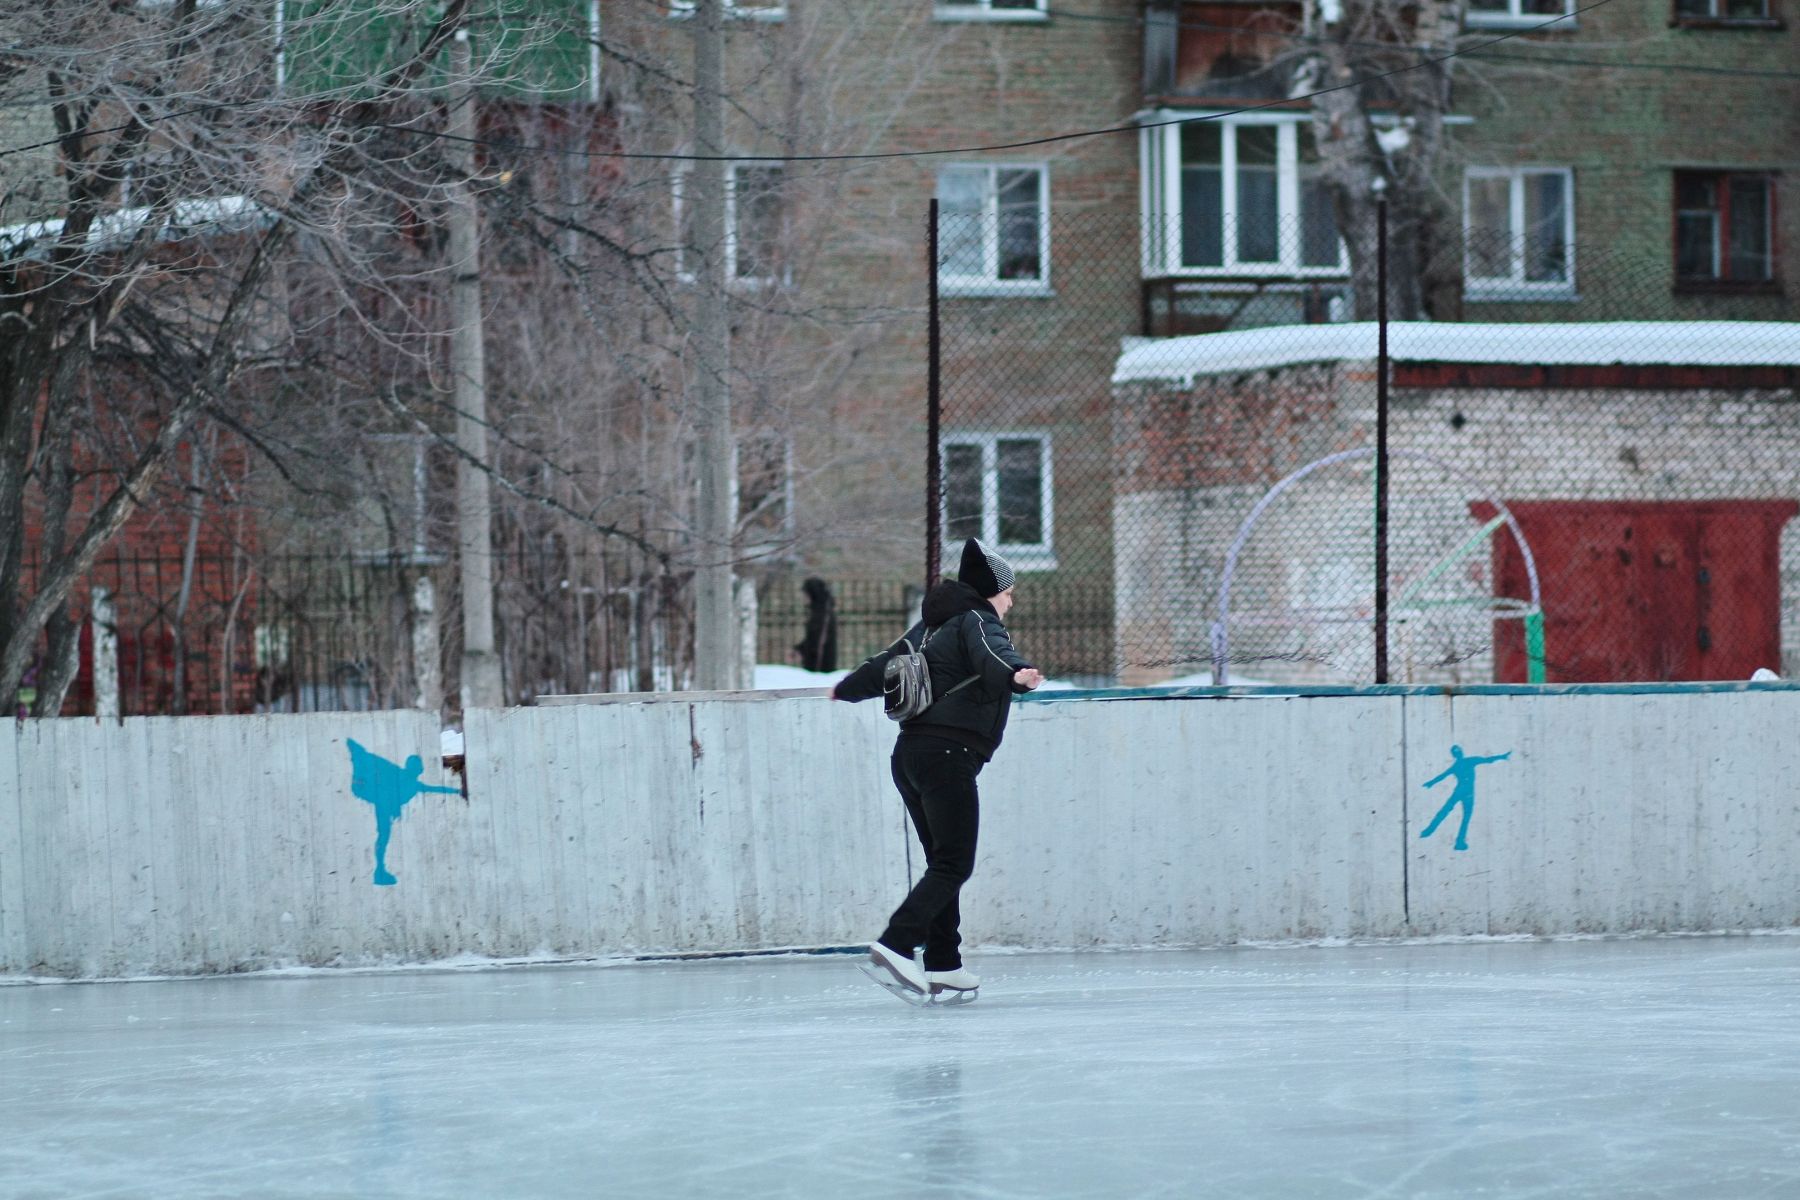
(1664, 1067)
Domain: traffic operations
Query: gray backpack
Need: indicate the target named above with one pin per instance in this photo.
(906, 682)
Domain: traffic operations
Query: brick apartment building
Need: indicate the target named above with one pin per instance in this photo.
(1623, 163)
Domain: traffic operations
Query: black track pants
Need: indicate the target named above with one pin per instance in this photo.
(936, 779)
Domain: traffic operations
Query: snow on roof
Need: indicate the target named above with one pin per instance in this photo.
(186, 218)
(1634, 343)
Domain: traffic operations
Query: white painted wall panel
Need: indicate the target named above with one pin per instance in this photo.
(1615, 812)
(1178, 821)
(12, 858)
(167, 845)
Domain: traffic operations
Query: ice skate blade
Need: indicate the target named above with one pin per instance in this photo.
(942, 998)
(945, 997)
(887, 983)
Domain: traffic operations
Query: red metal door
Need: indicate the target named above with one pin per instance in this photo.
(1645, 590)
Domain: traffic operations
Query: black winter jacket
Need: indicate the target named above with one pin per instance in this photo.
(967, 639)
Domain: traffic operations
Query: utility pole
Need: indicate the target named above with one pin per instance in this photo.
(474, 520)
(716, 632)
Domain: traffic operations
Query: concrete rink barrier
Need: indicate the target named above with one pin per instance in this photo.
(631, 825)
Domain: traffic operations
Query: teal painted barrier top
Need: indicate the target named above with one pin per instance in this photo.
(1197, 692)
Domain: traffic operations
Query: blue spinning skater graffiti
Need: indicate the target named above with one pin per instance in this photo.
(390, 787)
(1463, 768)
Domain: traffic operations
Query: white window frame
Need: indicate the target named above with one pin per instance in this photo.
(1515, 286)
(984, 10)
(1515, 17)
(1714, 15)
(989, 282)
(1160, 149)
(681, 10)
(687, 271)
(1024, 556)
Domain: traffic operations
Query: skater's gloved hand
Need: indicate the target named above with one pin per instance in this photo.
(1028, 677)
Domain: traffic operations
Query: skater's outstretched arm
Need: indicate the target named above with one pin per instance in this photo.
(864, 683)
(1439, 778)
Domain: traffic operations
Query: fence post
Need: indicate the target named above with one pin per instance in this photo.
(934, 533)
(103, 619)
(428, 680)
(1381, 446)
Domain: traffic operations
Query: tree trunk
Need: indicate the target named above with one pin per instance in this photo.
(716, 641)
(55, 471)
(1423, 270)
(190, 548)
(481, 676)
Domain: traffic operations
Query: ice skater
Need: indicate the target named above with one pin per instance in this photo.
(975, 672)
(390, 788)
(1464, 792)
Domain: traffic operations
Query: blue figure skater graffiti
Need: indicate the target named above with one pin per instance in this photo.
(1464, 793)
(389, 787)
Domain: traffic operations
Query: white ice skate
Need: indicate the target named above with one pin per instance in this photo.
(896, 974)
(960, 986)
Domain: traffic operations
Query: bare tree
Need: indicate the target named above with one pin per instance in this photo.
(1398, 57)
(203, 159)
(597, 325)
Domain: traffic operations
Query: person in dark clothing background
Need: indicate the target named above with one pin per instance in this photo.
(818, 649)
(940, 752)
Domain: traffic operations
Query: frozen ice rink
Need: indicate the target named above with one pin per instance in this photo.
(1641, 1068)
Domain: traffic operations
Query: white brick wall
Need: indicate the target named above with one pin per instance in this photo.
(1510, 444)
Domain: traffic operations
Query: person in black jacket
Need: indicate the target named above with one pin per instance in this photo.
(940, 752)
(818, 649)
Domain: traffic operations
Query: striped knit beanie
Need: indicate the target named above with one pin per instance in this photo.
(984, 570)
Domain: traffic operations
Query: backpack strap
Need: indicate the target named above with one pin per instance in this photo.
(959, 687)
(975, 678)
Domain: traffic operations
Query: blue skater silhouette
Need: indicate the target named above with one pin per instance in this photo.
(389, 787)
(1464, 793)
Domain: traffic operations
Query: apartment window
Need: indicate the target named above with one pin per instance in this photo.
(1722, 12)
(1519, 12)
(997, 487)
(1237, 197)
(994, 229)
(755, 223)
(992, 10)
(1724, 227)
(753, 10)
(1518, 232)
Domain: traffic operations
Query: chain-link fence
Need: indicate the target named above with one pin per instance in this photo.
(1592, 455)
(1592, 474)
